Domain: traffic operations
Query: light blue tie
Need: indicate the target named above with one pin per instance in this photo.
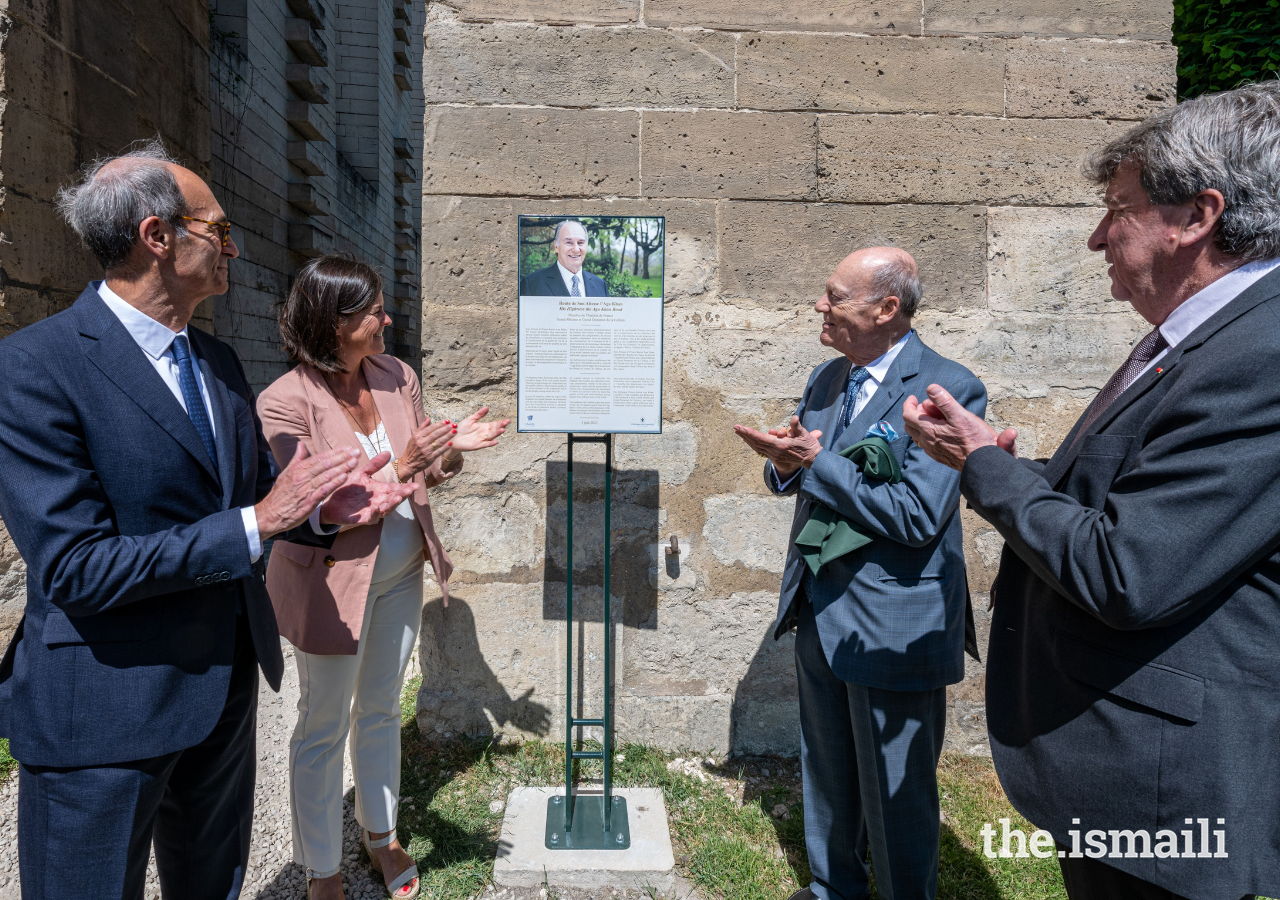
(577, 291)
(191, 396)
(857, 376)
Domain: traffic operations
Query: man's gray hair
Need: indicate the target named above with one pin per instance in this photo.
(556, 235)
(105, 210)
(897, 278)
(1228, 141)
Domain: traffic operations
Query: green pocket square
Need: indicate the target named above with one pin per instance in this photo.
(828, 535)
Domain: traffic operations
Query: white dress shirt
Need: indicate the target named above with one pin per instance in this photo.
(568, 277)
(1196, 309)
(156, 341)
(876, 371)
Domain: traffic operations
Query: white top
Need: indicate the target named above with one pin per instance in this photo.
(401, 541)
(156, 341)
(1196, 309)
(876, 371)
(568, 279)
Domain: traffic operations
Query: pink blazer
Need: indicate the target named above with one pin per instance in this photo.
(319, 595)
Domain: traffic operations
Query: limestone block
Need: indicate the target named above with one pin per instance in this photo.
(468, 246)
(1138, 19)
(846, 73)
(1111, 79)
(576, 67)
(1042, 422)
(490, 663)
(872, 16)
(778, 255)
(19, 306)
(1038, 262)
(600, 12)
(13, 586)
(750, 362)
(538, 152)
(31, 235)
(1028, 355)
(673, 573)
(672, 454)
(728, 154)
(956, 159)
(676, 723)
(491, 535)
(750, 530)
(518, 462)
(467, 350)
(39, 154)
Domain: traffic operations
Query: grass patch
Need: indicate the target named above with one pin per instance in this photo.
(653, 284)
(7, 762)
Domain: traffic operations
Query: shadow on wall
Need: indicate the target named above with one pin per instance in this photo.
(634, 524)
(465, 692)
(765, 716)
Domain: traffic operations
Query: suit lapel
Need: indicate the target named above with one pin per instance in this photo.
(118, 356)
(333, 429)
(904, 367)
(391, 406)
(832, 403)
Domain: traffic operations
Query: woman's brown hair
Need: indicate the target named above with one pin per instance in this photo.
(325, 290)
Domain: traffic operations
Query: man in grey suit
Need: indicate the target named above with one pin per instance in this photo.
(1132, 692)
(880, 630)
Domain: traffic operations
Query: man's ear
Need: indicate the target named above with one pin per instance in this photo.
(888, 310)
(1206, 210)
(156, 236)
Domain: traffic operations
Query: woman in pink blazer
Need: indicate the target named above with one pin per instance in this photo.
(353, 611)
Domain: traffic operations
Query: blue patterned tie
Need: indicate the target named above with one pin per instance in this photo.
(191, 396)
(857, 376)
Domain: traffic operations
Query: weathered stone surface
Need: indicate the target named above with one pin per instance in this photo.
(749, 530)
(750, 363)
(1038, 262)
(947, 159)
(676, 722)
(673, 454)
(873, 16)
(468, 352)
(530, 151)
(1042, 422)
(600, 12)
(871, 74)
(465, 261)
(13, 586)
(1139, 19)
(576, 67)
(729, 154)
(31, 234)
(1112, 79)
(491, 535)
(778, 255)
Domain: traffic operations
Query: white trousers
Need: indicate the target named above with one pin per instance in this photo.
(372, 678)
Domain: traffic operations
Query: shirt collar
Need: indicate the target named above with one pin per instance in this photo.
(568, 276)
(880, 367)
(1196, 309)
(155, 339)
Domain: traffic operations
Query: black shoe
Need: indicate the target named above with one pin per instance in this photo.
(804, 894)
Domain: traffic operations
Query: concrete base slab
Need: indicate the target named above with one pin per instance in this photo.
(524, 860)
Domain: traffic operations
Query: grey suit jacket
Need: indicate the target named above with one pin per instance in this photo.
(899, 620)
(1132, 680)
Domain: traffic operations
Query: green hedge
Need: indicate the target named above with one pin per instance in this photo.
(1222, 43)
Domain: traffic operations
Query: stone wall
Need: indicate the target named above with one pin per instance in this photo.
(775, 138)
(77, 81)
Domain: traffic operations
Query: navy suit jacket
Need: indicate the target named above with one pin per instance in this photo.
(134, 544)
(548, 283)
(1132, 680)
(899, 623)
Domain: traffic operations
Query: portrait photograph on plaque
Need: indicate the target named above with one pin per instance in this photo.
(590, 324)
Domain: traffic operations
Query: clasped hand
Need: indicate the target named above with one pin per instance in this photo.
(353, 496)
(948, 432)
(447, 441)
(789, 448)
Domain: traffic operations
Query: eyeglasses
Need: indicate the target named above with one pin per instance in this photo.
(223, 228)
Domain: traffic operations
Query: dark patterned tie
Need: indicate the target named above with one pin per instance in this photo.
(1146, 350)
(191, 396)
(857, 376)
(577, 291)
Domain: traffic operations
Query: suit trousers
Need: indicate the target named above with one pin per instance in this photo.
(359, 694)
(869, 759)
(87, 831)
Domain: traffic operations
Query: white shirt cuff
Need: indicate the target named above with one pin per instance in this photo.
(251, 532)
(777, 479)
(314, 521)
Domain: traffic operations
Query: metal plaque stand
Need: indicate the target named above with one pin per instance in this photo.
(598, 822)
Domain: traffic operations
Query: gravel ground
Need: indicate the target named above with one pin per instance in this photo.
(272, 874)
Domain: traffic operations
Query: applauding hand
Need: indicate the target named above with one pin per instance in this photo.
(425, 447)
(362, 500)
(472, 434)
(789, 448)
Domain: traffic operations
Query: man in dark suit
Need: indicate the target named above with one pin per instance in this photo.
(880, 630)
(138, 488)
(565, 277)
(1132, 693)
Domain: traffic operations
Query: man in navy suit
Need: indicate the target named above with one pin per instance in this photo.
(881, 630)
(565, 277)
(139, 489)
